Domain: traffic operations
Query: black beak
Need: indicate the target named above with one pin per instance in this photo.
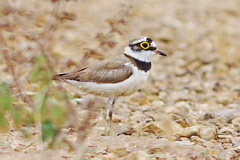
(160, 52)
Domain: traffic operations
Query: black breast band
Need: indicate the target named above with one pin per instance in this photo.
(141, 65)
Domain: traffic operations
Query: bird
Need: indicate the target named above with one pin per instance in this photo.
(118, 76)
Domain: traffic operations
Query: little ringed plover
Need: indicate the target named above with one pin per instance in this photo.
(117, 76)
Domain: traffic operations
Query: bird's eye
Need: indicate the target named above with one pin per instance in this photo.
(145, 45)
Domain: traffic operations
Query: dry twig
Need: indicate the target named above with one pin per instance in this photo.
(7, 57)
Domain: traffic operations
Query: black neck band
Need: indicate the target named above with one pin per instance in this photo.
(141, 65)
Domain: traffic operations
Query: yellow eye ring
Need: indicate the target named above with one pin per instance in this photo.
(145, 45)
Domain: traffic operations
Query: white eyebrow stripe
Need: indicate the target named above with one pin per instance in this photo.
(138, 41)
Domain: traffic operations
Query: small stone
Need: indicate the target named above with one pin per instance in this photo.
(162, 95)
(236, 123)
(228, 114)
(209, 59)
(182, 104)
(225, 138)
(144, 108)
(119, 151)
(237, 149)
(189, 131)
(152, 98)
(226, 131)
(225, 100)
(197, 140)
(158, 103)
(117, 118)
(180, 72)
(137, 116)
(196, 86)
(185, 143)
(107, 156)
(140, 98)
(194, 65)
(137, 155)
(207, 133)
(153, 128)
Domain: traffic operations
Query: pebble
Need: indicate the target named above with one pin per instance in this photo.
(140, 98)
(153, 127)
(118, 150)
(226, 131)
(225, 138)
(196, 139)
(137, 155)
(180, 72)
(189, 131)
(208, 133)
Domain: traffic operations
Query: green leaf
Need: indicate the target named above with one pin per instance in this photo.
(3, 123)
(40, 101)
(41, 71)
(70, 95)
(59, 96)
(48, 130)
(5, 97)
(58, 115)
(29, 119)
(16, 113)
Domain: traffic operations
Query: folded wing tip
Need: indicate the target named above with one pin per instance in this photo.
(59, 76)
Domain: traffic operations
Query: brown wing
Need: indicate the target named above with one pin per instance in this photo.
(108, 71)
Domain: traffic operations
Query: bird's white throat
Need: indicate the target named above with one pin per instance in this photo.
(145, 56)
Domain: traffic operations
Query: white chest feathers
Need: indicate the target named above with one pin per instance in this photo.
(127, 87)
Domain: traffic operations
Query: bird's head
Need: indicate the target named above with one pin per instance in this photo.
(143, 49)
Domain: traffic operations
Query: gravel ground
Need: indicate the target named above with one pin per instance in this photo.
(190, 108)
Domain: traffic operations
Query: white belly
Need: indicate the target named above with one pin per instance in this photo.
(135, 82)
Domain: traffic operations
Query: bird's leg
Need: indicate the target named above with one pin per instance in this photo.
(108, 114)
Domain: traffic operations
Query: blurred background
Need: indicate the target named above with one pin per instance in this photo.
(188, 110)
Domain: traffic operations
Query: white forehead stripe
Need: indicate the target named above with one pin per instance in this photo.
(140, 40)
(153, 44)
